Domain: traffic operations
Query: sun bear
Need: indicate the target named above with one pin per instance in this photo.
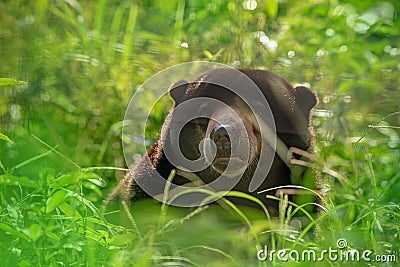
(228, 134)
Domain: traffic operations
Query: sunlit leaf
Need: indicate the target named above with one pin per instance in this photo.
(5, 138)
(10, 81)
(272, 8)
(55, 200)
(75, 177)
(208, 54)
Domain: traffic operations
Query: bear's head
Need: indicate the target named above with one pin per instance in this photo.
(230, 108)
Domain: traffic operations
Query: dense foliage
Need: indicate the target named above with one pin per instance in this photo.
(70, 68)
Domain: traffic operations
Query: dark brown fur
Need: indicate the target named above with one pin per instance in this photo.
(291, 110)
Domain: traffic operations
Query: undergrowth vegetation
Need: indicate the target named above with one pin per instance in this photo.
(69, 68)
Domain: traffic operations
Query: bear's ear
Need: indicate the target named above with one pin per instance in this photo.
(177, 91)
(305, 99)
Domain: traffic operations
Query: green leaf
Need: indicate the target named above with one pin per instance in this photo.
(208, 54)
(9, 229)
(35, 232)
(10, 81)
(65, 180)
(88, 203)
(69, 211)
(5, 138)
(52, 236)
(272, 8)
(73, 178)
(123, 240)
(8, 179)
(56, 200)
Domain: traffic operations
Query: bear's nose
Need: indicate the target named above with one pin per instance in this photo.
(220, 135)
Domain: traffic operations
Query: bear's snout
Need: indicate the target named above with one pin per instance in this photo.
(229, 141)
(220, 136)
(230, 149)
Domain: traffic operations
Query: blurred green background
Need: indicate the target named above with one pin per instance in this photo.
(83, 60)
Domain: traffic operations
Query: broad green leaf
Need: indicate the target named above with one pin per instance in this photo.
(8, 179)
(55, 200)
(10, 81)
(5, 138)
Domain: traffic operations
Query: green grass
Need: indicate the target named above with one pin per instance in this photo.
(57, 219)
(69, 68)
